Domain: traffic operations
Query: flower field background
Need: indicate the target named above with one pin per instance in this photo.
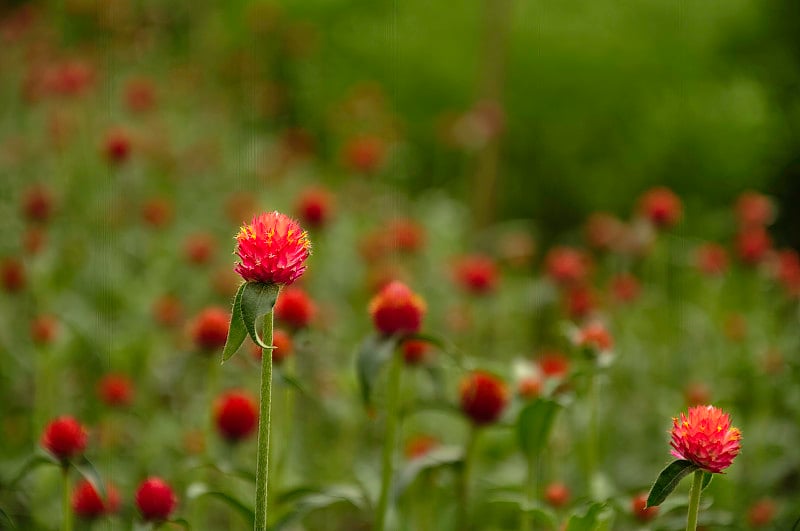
(537, 239)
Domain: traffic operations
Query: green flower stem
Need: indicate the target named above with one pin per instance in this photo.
(464, 481)
(694, 500)
(262, 463)
(395, 371)
(530, 494)
(591, 439)
(66, 505)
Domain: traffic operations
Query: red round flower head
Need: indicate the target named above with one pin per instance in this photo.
(579, 301)
(13, 275)
(705, 437)
(282, 342)
(155, 499)
(566, 265)
(157, 212)
(44, 329)
(272, 249)
(786, 269)
(37, 204)
(711, 259)
(397, 309)
(595, 336)
(661, 206)
(199, 248)
(603, 231)
(405, 235)
(210, 328)
(364, 153)
(761, 513)
(117, 146)
(754, 210)
(557, 494)
(295, 308)
(483, 397)
(476, 274)
(314, 206)
(167, 310)
(65, 438)
(553, 364)
(625, 287)
(87, 504)
(640, 510)
(415, 351)
(530, 387)
(753, 244)
(236, 415)
(115, 390)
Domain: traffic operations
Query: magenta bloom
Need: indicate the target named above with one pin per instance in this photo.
(706, 438)
(272, 249)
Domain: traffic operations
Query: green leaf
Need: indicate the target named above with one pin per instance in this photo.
(34, 461)
(707, 477)
(436, 458)
(538, 512)
(86, 469)
(372, 355)
(534, 425)
(182, 522)
(199, 490)
(432, 339)
(258, 299)
(668, 479)
(237, 332)
(589, 521)
(319, 499)
(5, 521)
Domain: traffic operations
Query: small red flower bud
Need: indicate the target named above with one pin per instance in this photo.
(553, 364)
(420, 445)
(167, 310)
(661, 206)
(565, 265)
(483, 397)
(415, 351)
(13, 275)
(295, 308)
(603, 231)
(711, 259)
(44, 329)
(210, 329)
(754, 210)
(157, 212)
(314, 207)
(397, 309)
(752, 245)
(87, 504)
(476, 274)
(557, 494)
(199, 248)
(640, 510)
(34, 239)
(595, 336)
(364, 154)
(625, 287)
(405, 235)
(579, 302)
(155, 499)
(236, 415)
(117, 146)
(65, 438)
(115, 390)
(530, 387)
(761, 513)
(37, 204)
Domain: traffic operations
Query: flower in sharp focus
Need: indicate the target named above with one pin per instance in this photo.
(705, 437)
(236, 415)
(295, 308)
(210, 329)
(483, 397)
(155, 499)
(65, 438)
(397, 309)
(87, 504)
(272, 249)
(476, 274)
(661, 206)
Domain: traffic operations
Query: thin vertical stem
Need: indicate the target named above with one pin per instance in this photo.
(395, 371)
(262, 463)
(464, 482)
(591, 452)
(694, 500)
(530, 494)
(66, 505)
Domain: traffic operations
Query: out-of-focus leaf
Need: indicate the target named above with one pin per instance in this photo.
(707, 477)
(5, 521)
(309, 502)
(373, 354)
(199, 490)
(668, 479)
(435, 458)
(237, 332)
(433, 339)
(587, 522)
(34, 461)
(538, 512)
(86, 469)
(258, 299)
(182, 522)
(534, 424)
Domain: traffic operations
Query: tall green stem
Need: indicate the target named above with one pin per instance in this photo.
(530, 494)
(395, 370)
(466, 474)
(694, 500)
(262, 463)
(591, 439)
(66, 505)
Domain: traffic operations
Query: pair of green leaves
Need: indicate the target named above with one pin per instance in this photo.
(669, 478)
(253, 301)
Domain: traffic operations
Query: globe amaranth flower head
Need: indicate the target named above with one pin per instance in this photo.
(272, 249)
(397, 309)
(705, 437)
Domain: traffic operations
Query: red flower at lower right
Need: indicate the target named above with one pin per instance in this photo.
(705, 437)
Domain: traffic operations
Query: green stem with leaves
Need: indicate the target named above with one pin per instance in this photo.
(393, 390)
(694, 500)
(464, 481)
(262, 463)
(66, 505)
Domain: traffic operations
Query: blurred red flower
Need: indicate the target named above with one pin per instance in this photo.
(603, 231)
(38, 203)
(282, 342)
(364, 153)
(711, 259)
(140, 95)
(117, 145)
(210, 328)
(115, 390)
(272, 249)
(44, 329)
(754, 210)
(595, 336)
(553, 364)
(236, 415)
(705, 437)
(295, 308)
(405, 235)
(415, 351)
(199, 248)
(752, 245)
(762, 513)
(397, 309)
(483, 397)
(87, 504)
(579, 301)
(640, 510)
(157, 212)
(567, 265)
(661, 206)
(12, 273)
(557, 494)
(167, 310)
(315, 206)
(420, 445)
(476, 274)
(65, 438)
(625, 287)
(155, 499)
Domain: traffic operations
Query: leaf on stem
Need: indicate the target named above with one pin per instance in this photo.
(237, 332)
(86, 469)
(534, 424)
(199, 490)
(258, 299)
(372, 355)
(668, 479)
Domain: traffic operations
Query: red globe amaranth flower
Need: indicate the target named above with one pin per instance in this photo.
(140, 95)
(37, 204)
(155, 499)
(44, 329)
(529, 387)
(168, 310)
(483, 397)
(579, 301)
(364, 154)
(595, 336)
(87, 504)
(696, 393)
(295, 308)
(415, 351)
(199, 248)
(711, 259)
(282, 342)
(565, 265)
(315, 207)
(70, 78)
(12, 273)
(210, 328)
(640, 510)
(661, 206)
(236, 415)
(397, 309)
(405, 235)
(420, 445)
(754, 210)
(761, 513)
(786, 270)
(65, 438)
(752, 245)
(625, 287)
(603, 231)
(476, 274)
(553, 364)
(115, 390)
(272, 249)
(117, 146)
(557, 494)
(157, 212)
(706, 438)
